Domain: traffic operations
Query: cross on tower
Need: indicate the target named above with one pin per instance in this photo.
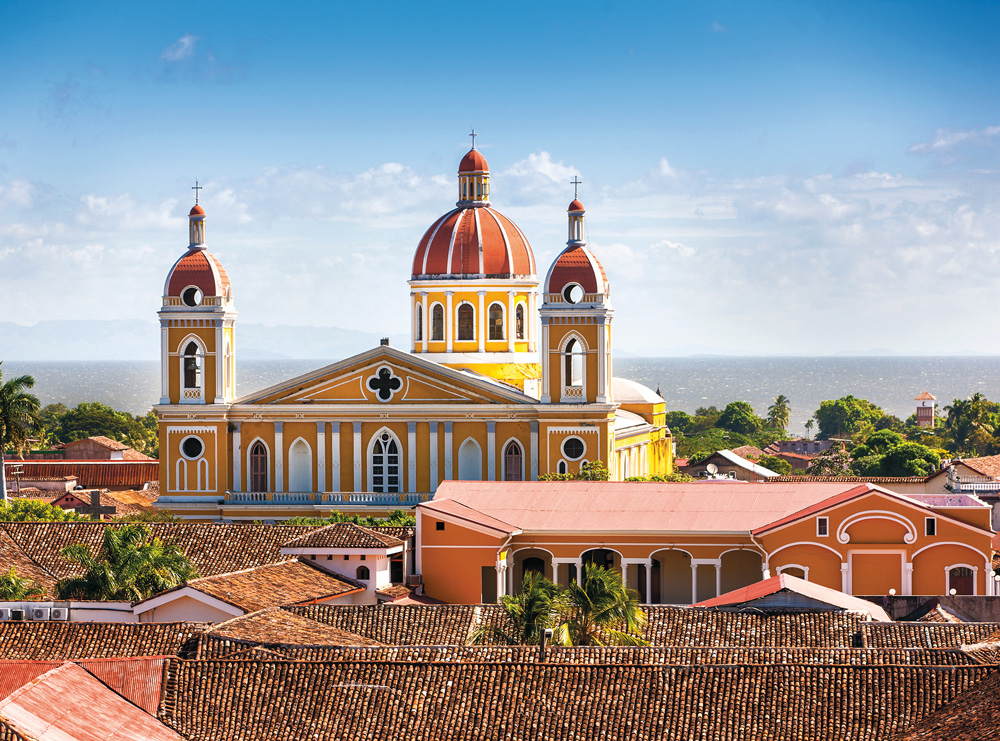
(196, 188)
(576, 184)
(473, 135)
(384, 384)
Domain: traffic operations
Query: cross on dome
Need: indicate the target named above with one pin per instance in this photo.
(196, 188)
(575, 182)
(473, 135)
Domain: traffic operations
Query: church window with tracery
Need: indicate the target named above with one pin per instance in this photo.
(437, 323)
(466, 322)
(573, 357)
(258, 467)
(192, 366)
(496, 322)
(512, 462)
(519, 322)
(385, 464)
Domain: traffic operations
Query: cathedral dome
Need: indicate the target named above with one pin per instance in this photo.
(197, 268)
(473, 162)
(197, 210)
(576, 265)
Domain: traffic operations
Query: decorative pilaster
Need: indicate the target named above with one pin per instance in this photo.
(449, 325)
(321, 456)
(481, 323)
(411, 456)
(447, 452)
(491, 450)
(434, 457)
(425, 321)
(534, 450)
(336, 484)
(279, 457)
(357, 457)
(237, 474)
(511, 321)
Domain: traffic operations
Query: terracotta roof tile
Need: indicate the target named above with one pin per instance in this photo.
(344, 535)
(925, 635)
(11, 555)
(59, 641)
(692, 626)
(972, 716)
(988, 465)
(95, 474)
(275, 626)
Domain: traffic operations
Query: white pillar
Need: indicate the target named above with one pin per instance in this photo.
(237, 473)
(579, 571)
(481, 321)
(219, 365)
(694, 582)
(357, 456)
(411, 456)
(649, 581)
(845, 578)
(624, 566)
(434, 456)
(321, 456)
(491, 450)
(447, 452)
(165, 363)
(530, 321)
(511, 321)
(279, 457)
(555, 572)
(765, 571)
(534, 450)
(718, 577)
(908, 578)
(449, 324)
(602, 364)
(335, 483)
(545, 397)
(425, 320)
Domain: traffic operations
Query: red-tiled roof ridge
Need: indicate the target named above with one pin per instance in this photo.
(102, 440)
(786, 582)
(987, 465)
(275, 626)
(802, 479)
(924, 396)
(344, 535)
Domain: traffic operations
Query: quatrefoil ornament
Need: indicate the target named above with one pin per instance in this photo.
(384, 383)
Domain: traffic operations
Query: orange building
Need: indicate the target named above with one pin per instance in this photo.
(685, 543)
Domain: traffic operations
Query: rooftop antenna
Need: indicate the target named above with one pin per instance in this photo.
(196, 188)
(576, 185)
(473, 135)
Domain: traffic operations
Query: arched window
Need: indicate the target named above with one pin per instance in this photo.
(470, 461)
(573, 357)
(437, 323)
(495, 317)
(385, 464)
(533, 563)
(561, 467)
(192, 366)
(962, 580)
(512, 460)
(364, 573)
(466, 322)
(519, 322)
(419, 329)
(258, 467)
(300, 467)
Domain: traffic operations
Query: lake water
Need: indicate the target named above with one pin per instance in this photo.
(686, 383)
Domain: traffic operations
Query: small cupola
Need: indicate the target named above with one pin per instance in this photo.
(473, 178)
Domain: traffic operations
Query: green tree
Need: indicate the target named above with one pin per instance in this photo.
(396, 518)
(528, 613)
(15, 589)
(680, 422)
(971, 424)
(902, 459)
(845, 416)
(130, 565)
(777, 413)
(18, 418)
(833, 462)
(601, 611)
(49, 419)
(34, 510)
(739, 417)
(778, 465)
(94, 418)
(809, 426)
(878, 443)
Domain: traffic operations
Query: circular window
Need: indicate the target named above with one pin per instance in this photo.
(573, 293)
(573, 448)
(192, 296)
(192, 447)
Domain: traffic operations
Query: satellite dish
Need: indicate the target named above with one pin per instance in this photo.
(712, 468)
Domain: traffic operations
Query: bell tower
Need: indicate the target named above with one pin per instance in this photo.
(576, 316)
(197, 325)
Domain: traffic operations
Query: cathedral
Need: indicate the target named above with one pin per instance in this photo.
(500, 382)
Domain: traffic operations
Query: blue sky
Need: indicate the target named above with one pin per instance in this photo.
(769, 177)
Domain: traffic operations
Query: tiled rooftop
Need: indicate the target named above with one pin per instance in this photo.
(972, 716)
(276, 626)
(685, 626)
(59, 641)
(925, 635)
(344, 535)
(515, 701)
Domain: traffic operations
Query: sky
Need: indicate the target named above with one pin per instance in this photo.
(794, 178)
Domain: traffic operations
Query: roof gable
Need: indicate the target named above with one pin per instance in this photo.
(786, 583)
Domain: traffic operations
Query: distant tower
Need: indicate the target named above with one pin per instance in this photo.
(197, 318)
(925, 410)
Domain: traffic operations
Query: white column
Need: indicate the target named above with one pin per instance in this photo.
(411, 456)
(434, 456)
(237, 473)
(511, 321)
(694, 582)
(624, 565)
(990, 583)
(555, 572)
(908, 578)
(602, 360)
(530, 321)
(279, 457)
(534, 450)
(491, 450)
(335, 455)
(546, 384)
(718, 577)
(845, 578)
(426, 321)
(220, 365)
(357, 456)
(447, 452)
(321, 456)
(649, 581)
(164, 363)
(765, 571)
(481, 321)
(501, 580)
(579, 571)
(449, 322)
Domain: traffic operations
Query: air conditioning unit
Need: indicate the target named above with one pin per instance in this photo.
(39, 613)
(4, 613)
(59, 613)
(17, 614)
(414, 580)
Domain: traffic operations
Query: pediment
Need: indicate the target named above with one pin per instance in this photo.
(386, 376)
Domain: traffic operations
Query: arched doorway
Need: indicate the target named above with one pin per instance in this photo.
(300, 467)
(258, 467)
(671, 578)
(470, 461)
(740, 569)
(962, 580)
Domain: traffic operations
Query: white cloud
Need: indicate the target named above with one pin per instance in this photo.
(180, 49)
(666, 244)
(16, 194)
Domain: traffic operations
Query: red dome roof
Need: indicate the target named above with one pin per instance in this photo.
(473, 162)
(576, 264)
(197, 211)
(473, 241)
(576, 206)
(197, 268)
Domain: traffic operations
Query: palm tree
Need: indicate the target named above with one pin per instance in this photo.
(18, 416)
(777, 413)
(595, 613)
(809, 426)
(528, 614)
(130, 565)
(15, 589)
